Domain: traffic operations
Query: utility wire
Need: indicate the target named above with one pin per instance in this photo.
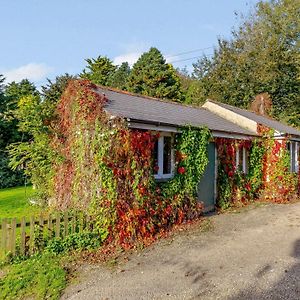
(188, 52)
(190, 58)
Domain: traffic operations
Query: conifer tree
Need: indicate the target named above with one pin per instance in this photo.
(152, 76)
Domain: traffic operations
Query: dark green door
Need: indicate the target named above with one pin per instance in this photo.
(206, 188)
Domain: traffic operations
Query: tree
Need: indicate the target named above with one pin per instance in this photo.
(53, 90)
(98, 70)
(5, 172)
(191, 88)
(9, 132)
(119, 78)
(261, 57)
(152, 76)
(3, 105)
(51, 94)
(14, 91)
(34, 156)
(35, 114)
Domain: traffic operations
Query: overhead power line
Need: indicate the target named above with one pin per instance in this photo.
(190, 58)
(188, 52)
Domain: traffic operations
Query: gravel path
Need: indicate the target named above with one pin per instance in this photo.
(254, 254)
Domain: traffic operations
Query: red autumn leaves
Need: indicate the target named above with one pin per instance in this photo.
(181, 170)
(279, 184)
(180, 157)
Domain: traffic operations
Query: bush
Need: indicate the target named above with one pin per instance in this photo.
(75, 241)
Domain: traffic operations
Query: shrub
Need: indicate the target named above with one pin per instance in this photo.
(75, 241)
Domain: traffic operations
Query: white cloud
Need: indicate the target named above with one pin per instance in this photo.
(131, 52)
(31, 71)
(171, 58)
(131, 58)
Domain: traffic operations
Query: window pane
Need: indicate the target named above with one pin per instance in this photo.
(167, 155)
(293, 156)
(155, 158)
(246, 161)
(298, 157)
(240, 158)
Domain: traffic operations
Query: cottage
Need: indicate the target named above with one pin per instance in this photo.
(109, 140)
(166, 117)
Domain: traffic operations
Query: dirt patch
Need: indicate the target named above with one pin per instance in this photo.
(252, 254)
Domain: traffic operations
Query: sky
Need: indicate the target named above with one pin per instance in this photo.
(42, 39)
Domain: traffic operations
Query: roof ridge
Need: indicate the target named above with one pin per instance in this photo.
(169, 101)
(250, 111)
(219, 102)
(244, 109)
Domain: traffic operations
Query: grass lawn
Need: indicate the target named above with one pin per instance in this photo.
(39, 277)
(14, 202)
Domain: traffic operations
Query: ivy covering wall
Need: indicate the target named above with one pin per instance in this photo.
(100, 165)
(268, 177)
(106, 168)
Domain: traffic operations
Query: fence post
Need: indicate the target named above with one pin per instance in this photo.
(32, 221)
(13, 236)
(4, 233)
(23, 235)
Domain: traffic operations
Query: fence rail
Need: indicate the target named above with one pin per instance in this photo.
(21, 236)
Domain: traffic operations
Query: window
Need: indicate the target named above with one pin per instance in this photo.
(242, 160)
(167, 157)
(297, 157)
(163, 157)
(294, 149)
(155, 154)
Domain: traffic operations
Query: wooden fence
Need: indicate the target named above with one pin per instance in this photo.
(24, 236)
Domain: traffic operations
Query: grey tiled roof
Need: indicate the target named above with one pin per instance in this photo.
(147, 109)
(271, 123)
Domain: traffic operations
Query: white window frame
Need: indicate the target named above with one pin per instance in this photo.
(160, 156)
(297, 150)
(294, 159)
(237, 159)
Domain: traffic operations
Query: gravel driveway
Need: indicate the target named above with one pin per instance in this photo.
(254, 254)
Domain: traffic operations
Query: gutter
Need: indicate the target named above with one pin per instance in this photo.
(174, 128)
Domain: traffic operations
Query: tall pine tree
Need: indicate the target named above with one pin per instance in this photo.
(152, 76)
(119, 78)
(98, 70)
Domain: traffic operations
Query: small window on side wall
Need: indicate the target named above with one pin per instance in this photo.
(294, 151)
(242, 159)
(164, 157)
(298, 157)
